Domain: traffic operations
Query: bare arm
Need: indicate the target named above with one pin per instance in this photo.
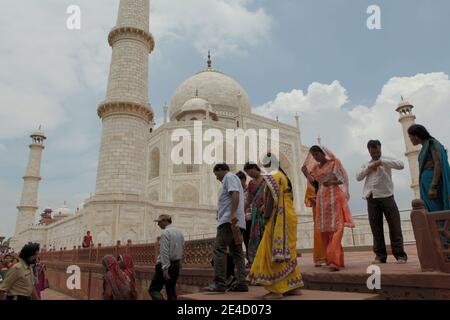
(234, 206)
(307, 175)
(248, 201)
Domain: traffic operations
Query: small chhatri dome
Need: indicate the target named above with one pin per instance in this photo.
(64, 211)
(404, 107)
(38, 133)
(194, 105)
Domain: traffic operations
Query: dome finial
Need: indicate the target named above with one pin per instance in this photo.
(209, 60)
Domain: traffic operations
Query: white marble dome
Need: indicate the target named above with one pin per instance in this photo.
(196, 104)
(64, 211)
(226, 96)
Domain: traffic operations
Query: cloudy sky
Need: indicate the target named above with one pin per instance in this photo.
(314, 57)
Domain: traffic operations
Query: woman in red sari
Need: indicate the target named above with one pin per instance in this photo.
(332, 211)
(126, 263)
(116, 285)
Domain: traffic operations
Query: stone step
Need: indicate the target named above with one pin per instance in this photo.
(256, 293)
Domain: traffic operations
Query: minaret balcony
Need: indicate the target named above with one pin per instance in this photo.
(120, 33)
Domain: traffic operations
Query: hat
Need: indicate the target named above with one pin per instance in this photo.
(163, 217)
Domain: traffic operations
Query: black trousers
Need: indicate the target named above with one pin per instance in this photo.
(159, 282)
(246, 235)
(224, 240)
(388, 207)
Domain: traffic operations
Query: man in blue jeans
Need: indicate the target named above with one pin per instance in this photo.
(230, 215)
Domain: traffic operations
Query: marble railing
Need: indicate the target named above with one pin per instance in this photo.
(197, 253)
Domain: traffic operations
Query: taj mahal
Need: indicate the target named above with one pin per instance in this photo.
(136, 179)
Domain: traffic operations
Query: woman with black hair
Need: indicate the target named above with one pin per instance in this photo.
(332, 210)
(434, 170)
(275, 266)
(255, 206)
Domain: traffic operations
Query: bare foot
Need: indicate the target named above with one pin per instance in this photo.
(295, 292)
(273, 296)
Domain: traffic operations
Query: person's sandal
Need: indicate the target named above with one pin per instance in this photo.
(334, 268)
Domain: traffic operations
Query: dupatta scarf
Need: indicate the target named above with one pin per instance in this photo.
(116, 279)
(332, 169)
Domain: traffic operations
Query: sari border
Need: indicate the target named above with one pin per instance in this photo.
(271, 279)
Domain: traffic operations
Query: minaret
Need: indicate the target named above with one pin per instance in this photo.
(28, 202)
(126, 113)
(165, 109)
(407, 119)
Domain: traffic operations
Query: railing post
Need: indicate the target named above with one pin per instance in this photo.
(424, 240)
(98, 247)
(90, 254)
(117, 249)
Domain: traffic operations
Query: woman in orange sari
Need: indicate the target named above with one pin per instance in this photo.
(319, 256)
(332, 211)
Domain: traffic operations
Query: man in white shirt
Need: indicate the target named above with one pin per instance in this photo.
(168, 266)
(379, 193)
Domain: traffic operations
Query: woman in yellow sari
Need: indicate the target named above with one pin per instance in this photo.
(275, 265)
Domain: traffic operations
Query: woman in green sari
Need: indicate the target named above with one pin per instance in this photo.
(255, 203)
(434, 170)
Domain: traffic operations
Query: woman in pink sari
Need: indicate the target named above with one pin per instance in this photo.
(332, 211)
(40, 276)
(126, 263)
(116, 284)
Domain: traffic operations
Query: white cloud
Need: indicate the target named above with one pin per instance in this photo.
(224, 26)
(10, 199)
(44, 65)
(346, 131)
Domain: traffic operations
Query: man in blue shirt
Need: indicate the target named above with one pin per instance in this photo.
(230, 215)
